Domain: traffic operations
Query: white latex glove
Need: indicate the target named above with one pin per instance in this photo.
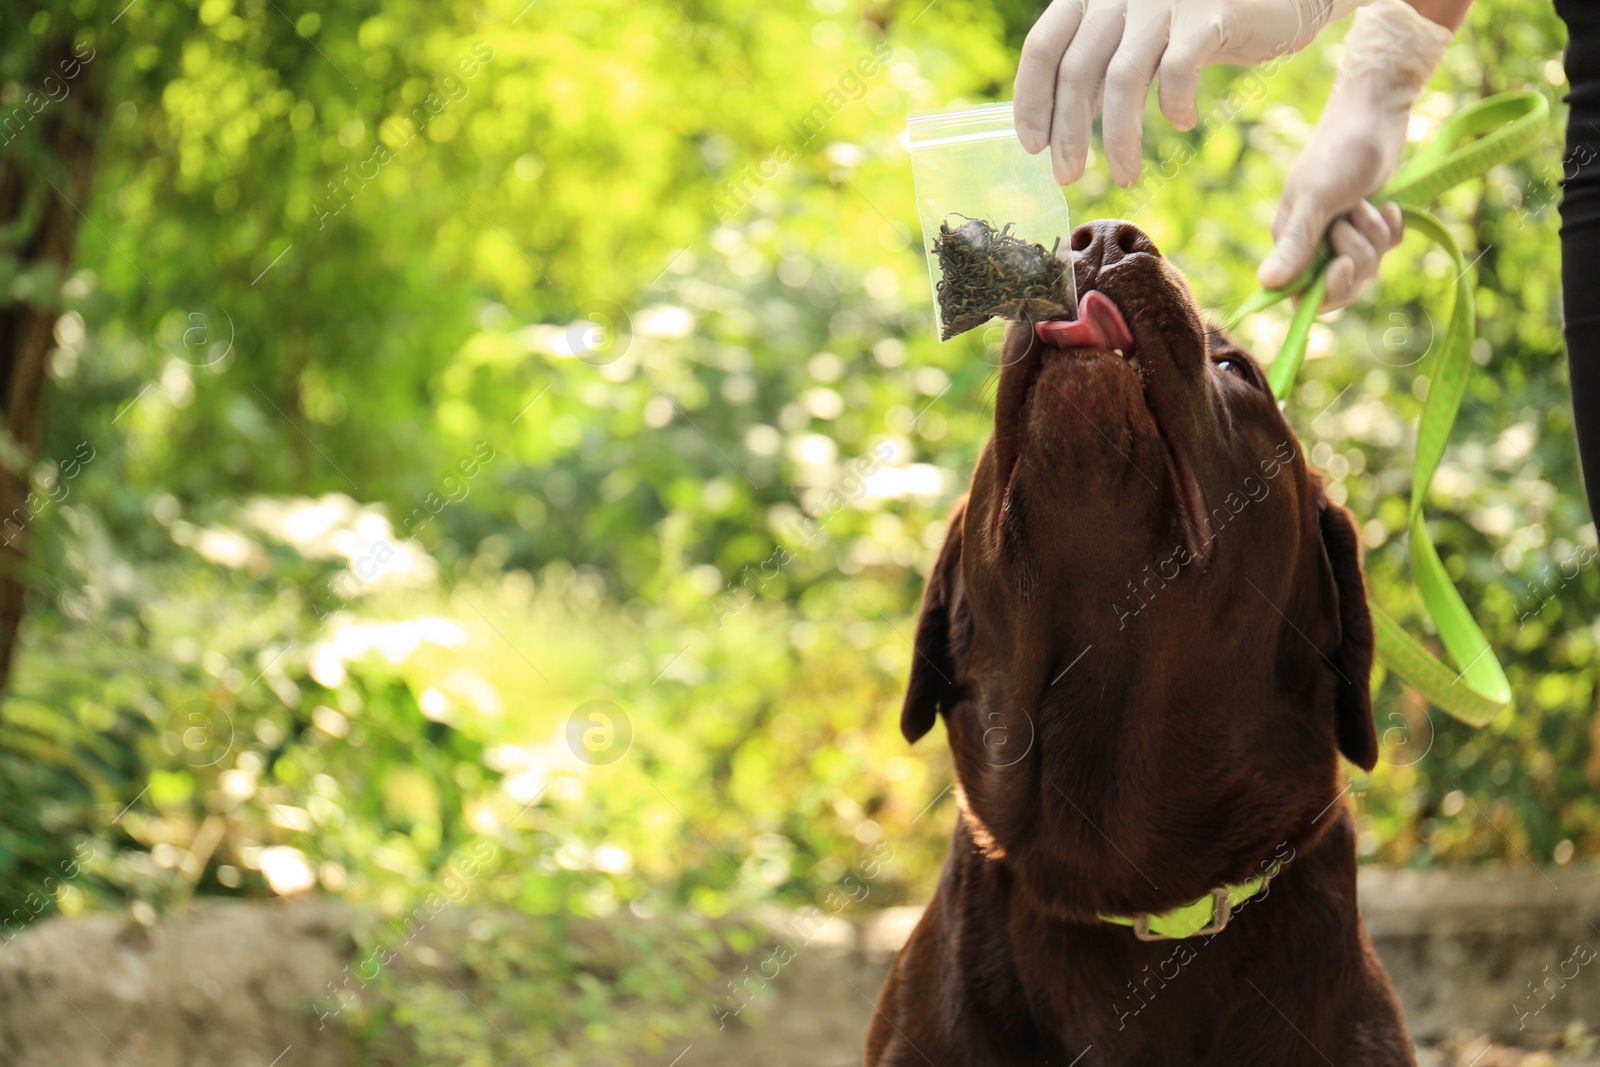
(1389, 55)
(1082, 50)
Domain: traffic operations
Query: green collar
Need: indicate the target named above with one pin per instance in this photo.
(1203, 917)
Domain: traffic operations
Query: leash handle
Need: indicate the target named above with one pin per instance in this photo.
(1476, 138)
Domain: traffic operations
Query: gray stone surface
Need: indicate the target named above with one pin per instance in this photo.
(228, 984)
(221, 985)
(1508, 952)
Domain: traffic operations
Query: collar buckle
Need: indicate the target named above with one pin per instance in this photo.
(1221, 912)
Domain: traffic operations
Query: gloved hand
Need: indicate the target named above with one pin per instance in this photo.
(1081, 50)
(1388, 56)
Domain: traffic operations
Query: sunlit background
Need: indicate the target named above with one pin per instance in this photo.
(495, 450)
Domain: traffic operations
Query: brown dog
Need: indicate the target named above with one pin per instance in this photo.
(1147, 634)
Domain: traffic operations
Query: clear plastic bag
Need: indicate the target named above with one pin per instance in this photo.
(994, 222)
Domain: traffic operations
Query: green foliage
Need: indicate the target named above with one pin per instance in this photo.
(585, 262)
(577, 993)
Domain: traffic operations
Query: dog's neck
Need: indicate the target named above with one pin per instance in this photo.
(1084, 979)
(1095, 818)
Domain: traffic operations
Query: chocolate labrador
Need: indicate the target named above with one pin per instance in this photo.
(1147, 634)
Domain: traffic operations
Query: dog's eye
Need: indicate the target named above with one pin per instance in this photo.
(1233, 367)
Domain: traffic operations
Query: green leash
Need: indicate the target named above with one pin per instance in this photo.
(1475, 139)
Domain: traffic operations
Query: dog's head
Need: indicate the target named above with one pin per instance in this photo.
(1147, 630)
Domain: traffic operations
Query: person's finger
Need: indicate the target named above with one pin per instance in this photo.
(1352, 245)
(1079, 85)
(1372, 225)
(1128, 78)
(1347, 240)
(1192, 44)
(1034, 95)
(1341, 284)
(1397, 223)
(1298, 228)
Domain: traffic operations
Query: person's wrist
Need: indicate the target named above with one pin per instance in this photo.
(1392, 49)
(1332, 11)
(1390, 53)
(1447, 13)
(1363, 96)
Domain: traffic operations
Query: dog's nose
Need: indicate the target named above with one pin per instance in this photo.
(1105, 241)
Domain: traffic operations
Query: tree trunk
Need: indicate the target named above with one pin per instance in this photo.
(45, 177)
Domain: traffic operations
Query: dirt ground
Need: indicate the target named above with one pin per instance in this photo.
(1476, 1050)
(227, 984)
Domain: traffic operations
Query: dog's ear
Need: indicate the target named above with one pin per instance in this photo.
(1352, 656)
(942, 624)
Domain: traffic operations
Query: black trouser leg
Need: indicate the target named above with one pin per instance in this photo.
(1580, 241)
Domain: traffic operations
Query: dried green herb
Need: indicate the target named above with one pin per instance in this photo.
(984, 273)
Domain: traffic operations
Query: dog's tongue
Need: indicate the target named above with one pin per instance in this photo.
(1099, 325)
